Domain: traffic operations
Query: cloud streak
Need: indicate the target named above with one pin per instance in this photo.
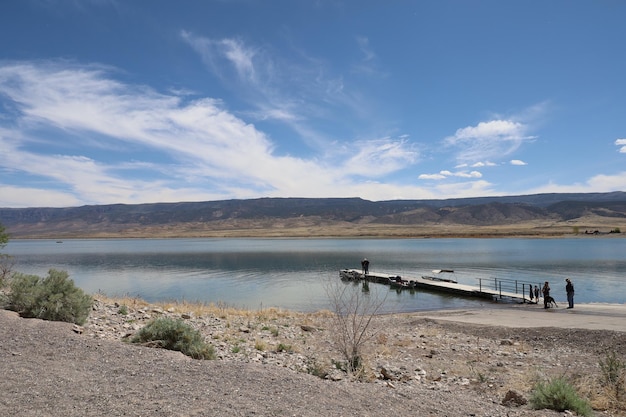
(170, 149)
(489, 140)
(442, 175)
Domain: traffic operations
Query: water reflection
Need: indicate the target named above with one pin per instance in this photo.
(294, 273)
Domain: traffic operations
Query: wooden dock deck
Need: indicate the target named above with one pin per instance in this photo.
(494, 291)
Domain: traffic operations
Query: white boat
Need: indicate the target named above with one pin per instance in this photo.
(442, 278)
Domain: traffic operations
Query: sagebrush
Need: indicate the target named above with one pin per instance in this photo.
(175, 335)
(559, 395)
(54, 297)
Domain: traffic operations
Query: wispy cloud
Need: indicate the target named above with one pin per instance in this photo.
(374, 158)
(296, 90)
(447, 174)
(132, 144)
(489, 140)
(216, 53)
(368, 64)
(622, 144)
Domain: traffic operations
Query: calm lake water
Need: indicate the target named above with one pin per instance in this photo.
(296, 273)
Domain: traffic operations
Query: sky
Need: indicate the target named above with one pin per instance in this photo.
(143, 101)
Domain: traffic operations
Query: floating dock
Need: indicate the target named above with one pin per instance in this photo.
(497, 289)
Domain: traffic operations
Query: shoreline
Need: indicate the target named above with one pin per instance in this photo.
(591, 316)
(381, 236)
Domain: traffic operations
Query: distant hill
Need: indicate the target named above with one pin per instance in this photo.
(314, 214)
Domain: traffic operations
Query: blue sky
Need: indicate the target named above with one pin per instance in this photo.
(137, 101)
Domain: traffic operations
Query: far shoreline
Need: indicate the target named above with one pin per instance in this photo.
(61, 238)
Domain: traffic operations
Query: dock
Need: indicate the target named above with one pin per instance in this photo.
(492, 288)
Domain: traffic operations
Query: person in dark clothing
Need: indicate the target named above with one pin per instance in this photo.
(365, 265)
(569, 289)
(536, 294)
(546, 293)
(530, 293)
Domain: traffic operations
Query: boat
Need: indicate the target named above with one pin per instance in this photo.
(398, 282)
(440, 278)
(350, 275)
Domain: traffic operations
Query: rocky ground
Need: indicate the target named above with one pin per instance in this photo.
(278, 363)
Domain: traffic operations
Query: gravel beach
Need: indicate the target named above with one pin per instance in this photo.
(277, 363)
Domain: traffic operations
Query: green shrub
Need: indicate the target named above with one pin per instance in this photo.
(54, 297)
(284, 348)
(558, 394)
(176, 335)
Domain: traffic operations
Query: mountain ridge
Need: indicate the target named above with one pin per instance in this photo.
(313, 214)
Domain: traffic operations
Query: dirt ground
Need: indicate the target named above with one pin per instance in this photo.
(450, 363)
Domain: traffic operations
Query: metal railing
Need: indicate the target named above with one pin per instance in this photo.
(511, 286)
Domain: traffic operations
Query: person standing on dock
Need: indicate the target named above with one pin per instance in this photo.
(569, 289)
(546, 293)
(365, 266)
(536, 294)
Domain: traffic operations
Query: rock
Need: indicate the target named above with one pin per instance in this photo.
(335, 375)
(514, 399)
(78, 329)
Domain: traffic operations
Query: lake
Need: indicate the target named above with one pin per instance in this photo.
(296, 274)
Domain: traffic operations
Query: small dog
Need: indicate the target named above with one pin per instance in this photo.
(549, 302)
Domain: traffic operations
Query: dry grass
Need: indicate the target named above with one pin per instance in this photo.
(221, 310)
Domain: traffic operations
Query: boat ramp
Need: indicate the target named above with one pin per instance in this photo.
(494, 289)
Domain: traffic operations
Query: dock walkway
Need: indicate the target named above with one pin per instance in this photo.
(496, 289)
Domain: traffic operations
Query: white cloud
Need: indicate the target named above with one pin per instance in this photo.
(597, 184)
(494, 139)
(132, 144)
(446, 174)
(483, 164)
(14, 196)
(493, 129)
(622, 144)
(517, 162)
(300, 91)
(432, 176)
(471, 174)
(215, 52)
(374, 158)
